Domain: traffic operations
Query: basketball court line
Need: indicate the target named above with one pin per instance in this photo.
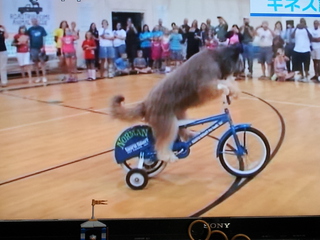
(240, 182)
(55, 167)
(236, 186)
(282, 102)
(98, 111)
(41, 122)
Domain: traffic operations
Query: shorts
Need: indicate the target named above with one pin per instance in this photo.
(69, 55)
(37, 56)
(315, 54)
(90, 61)
(23, 59)
(265, 55)
(59, 52)
(120, 50)
(176, 55)
(106, 52)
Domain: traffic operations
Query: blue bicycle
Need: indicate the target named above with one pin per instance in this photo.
(243, 151)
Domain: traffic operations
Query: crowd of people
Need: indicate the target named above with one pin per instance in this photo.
(283, 53)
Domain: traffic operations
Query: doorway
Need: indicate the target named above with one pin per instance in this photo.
(122, 17)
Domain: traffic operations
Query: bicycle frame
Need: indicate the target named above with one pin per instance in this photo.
(217, 122)
(138, 141)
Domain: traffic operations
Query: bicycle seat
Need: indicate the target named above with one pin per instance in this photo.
(185, 122)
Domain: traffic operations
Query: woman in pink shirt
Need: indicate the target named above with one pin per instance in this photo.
(69, 53)
(165, 49)
(235, 37)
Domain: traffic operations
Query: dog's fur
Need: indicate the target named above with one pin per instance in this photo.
(193, 83)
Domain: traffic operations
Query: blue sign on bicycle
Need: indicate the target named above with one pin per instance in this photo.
(285, 8)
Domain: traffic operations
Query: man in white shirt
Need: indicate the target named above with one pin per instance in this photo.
(315, 43)
(265, 35)
(119, 41)
(106, 50)
(301, 51)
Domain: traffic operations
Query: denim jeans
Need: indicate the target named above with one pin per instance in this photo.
(248, 55)
(119, 50)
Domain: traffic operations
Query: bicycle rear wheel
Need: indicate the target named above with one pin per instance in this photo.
(256, 152)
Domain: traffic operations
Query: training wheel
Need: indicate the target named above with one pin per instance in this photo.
(137, 179)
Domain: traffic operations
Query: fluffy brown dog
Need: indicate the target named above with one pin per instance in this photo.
(193, 83)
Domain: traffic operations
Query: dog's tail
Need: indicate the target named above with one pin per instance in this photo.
(118, 111)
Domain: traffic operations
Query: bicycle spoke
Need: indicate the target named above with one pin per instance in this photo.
(230, 152)
(244, 140)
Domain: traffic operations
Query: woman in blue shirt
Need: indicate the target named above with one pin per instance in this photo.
(145, 44)
(175, 46)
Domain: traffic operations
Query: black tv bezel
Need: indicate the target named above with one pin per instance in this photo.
(291, 227)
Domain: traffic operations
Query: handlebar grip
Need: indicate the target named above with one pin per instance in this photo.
(228, 99)
(226, 92)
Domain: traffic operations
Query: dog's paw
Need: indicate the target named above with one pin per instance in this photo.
(167, 156)
(186, 134)
(230, 88)
(173, 157)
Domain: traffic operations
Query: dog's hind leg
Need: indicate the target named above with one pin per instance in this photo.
(184, 133)
(165, 130)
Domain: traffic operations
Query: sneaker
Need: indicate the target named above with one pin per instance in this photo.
(249, 75)
(298, 77)
(318, 79)
(263, 77)
(304, 79)
(44, 80)
(62, 78)
(69, 80)
(274, 77)
(74, 79)
(314, 78)
(37, 80)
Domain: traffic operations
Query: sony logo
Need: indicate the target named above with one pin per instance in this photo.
(219, 225)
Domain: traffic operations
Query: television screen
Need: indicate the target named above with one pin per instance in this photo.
(61, 148)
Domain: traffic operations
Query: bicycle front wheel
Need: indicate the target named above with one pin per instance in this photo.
(249, 157)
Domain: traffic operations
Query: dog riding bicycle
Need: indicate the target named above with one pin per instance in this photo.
(192, 84)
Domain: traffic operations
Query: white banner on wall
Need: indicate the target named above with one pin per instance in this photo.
(20, 12)
(85, 15)
(285, 8)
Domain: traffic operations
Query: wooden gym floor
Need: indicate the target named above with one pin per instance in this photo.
(56, 155)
